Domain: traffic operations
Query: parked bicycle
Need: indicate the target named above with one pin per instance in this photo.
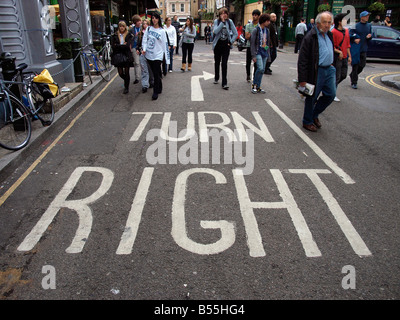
(22, 99)
(105, 52)
(32, 95)
(15, 120)
(93, 63)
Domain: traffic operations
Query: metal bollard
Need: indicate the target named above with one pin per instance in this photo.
(79, 75)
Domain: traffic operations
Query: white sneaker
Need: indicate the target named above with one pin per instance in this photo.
(336, 99)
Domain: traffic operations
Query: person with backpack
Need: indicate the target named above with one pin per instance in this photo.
(225, 34)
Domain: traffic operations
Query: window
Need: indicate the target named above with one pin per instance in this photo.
(182, 7)
(173, 7)
(386, 34)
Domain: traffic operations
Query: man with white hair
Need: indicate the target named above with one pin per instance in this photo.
(314, 66)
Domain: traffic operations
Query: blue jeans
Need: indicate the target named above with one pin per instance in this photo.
(260, 67)
(171, 57)
(147, 74)
(326, 83)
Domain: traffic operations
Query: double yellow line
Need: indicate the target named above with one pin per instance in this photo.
(16, 184)
(370, 80)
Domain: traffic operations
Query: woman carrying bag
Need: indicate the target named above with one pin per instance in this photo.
(122, 58)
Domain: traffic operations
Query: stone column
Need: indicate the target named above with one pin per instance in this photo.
(75, 20)
(25, 32)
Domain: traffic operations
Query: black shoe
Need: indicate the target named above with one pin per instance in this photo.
(136, 81)
(267, 71)
(125, 91)
(144, 90)
(154, 97)
(248, 79)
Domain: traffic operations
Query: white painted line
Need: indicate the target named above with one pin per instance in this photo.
(80, 206)
(350, 232)
(197, 93)
(254, 240)
(135, 215)
(318, 151)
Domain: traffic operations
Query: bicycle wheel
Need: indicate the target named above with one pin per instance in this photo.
(42, 108)
(88, 67)
(104, 72)
(15, 124)
(107, 62)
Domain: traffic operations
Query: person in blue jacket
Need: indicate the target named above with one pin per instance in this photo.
(360, 36)
(225, 34)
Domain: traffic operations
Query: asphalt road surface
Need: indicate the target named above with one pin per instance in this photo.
(113, 207)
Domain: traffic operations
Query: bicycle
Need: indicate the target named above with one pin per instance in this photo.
(93, 63)
(106, 52)
(15, 120)
(31, 95)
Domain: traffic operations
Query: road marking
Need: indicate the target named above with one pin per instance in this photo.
(254, 240)
(135, 215)
(370, 80)
(80, 206)
(197, 93)
(17, 183)
(349, 231)
(318, 151)
(179, 230)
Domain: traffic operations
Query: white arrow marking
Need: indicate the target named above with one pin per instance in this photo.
(197, 93)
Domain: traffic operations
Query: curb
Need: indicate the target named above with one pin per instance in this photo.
(10, 161)
(392, 80)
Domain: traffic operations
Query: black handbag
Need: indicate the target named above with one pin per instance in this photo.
(119, 59)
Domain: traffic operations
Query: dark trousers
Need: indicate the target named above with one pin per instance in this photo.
(221, 55)
(358, 68)
(155, 66)
(299, 39)
(178, 38)
(248, 62)
(341, 70)
(187, 50)
(124, 74)
(273, 57)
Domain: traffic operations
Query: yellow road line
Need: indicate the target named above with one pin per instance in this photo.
(370, 80)
(16, 184)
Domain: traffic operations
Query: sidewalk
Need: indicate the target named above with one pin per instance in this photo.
(64, 105)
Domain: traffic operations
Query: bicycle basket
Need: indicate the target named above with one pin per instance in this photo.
(46, 85)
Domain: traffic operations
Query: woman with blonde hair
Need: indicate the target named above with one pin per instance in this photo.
(122, 58)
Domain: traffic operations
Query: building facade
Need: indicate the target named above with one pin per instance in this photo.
(29, 29)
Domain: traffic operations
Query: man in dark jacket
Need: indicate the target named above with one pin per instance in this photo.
(314, 66)
(274, 43)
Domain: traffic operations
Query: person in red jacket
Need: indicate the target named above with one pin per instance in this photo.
(341, 42)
